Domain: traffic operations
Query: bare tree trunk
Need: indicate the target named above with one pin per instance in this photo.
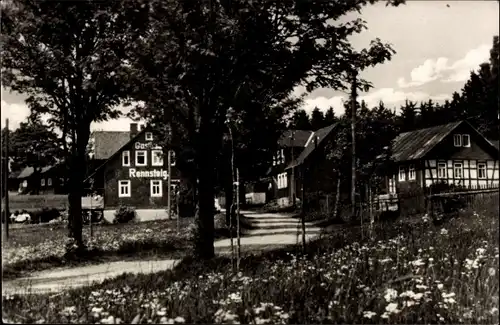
(353, 135)
(337, 200)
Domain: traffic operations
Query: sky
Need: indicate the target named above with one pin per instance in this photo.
(437, 43)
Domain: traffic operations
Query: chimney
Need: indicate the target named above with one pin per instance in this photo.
(133, 130)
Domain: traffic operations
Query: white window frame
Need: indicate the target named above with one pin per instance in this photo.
(172, 158)
(49, 181)
(156, 157)
(402, 172)
(42, 182)
(282, 156)
(466, 136)
(455, 168)
(441, 166)
(392, 185)
(145, 157)
(412, 173)
(124, 184)
(484, 167)
(457, 140)
(156, 183)
(126, 153)
(148, 136)
(279, 181)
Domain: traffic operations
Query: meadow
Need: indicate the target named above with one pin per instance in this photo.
(408, 271)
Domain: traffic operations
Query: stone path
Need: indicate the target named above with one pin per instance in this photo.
(272, 230)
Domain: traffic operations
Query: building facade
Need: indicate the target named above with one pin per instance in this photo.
(137, 174)
(455, 153)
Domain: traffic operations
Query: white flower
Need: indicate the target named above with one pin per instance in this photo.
(390, 294)
(448, 295)
(440, 286)
(417, 262)
(179, 319)
(491, 271)
(385, 260)
(369, 314)
(444, 231)
(494, 311)
(392, 308)
(480, 251)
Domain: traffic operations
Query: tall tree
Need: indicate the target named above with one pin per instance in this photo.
(69, 58)
(330, 117)
(34, 145)
(317, 119)
(300, 121)
(408, 116)
(212, 57)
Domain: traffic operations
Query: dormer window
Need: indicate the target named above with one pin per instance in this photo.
(465, 140)
(149, 136)
(461, 140)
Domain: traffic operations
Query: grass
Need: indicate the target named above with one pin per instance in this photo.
(35, 248)
(38, 247)
(401, 272)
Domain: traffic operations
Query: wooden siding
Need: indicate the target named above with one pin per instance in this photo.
(140, 187)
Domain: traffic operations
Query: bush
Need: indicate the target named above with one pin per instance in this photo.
(44, 215)
(125, 214)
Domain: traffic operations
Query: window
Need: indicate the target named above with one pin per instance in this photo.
(49, 181)
(156, 188)
(149, 136)
(274, 160)
(458, 170)
(457, 140)
(25, 183)
(42, 182)
(412, 174)
(442, 170)
(282, 156)
(156, 157)
(172, 158)
(279, 180)
(481, 170)
(465, 140)
(123, 188)
(282, 181)
(126, 158)
(278, 157)
(141, 158)
(402, 174)
(392, 185)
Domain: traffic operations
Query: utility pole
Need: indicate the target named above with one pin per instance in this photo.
(238, 243)
(353, 136)
(5, 186)
(293, 172)
(168, 185)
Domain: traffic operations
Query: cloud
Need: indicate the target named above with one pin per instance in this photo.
(390, 97)
(458, 71)
(16, 113)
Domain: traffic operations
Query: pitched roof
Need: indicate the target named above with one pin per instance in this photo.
(311, 144)
(117, 151)
(28, 171)
(299, 138)
(106, 143)
(496, 143)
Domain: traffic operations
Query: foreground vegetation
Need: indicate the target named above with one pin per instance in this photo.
(403, 272)
(35, 248)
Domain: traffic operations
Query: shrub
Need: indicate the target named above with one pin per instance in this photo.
(125, 214)
(44, 215)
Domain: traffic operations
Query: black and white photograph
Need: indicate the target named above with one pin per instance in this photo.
(250, 161)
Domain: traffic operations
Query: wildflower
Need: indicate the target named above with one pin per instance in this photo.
(369, 314)
(480, 251)
(448, 295)
(390, 294)
(385, 260)
(165, 320)
(392, 308)
(444, 231)
(494, 311)
(161, 312)
(179, 319)
(417, 262)
(491, 271)
(440, 286)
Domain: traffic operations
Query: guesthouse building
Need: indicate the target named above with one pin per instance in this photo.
(454, 153)
(136, 174)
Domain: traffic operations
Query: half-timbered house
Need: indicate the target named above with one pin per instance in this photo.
(454, 153)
